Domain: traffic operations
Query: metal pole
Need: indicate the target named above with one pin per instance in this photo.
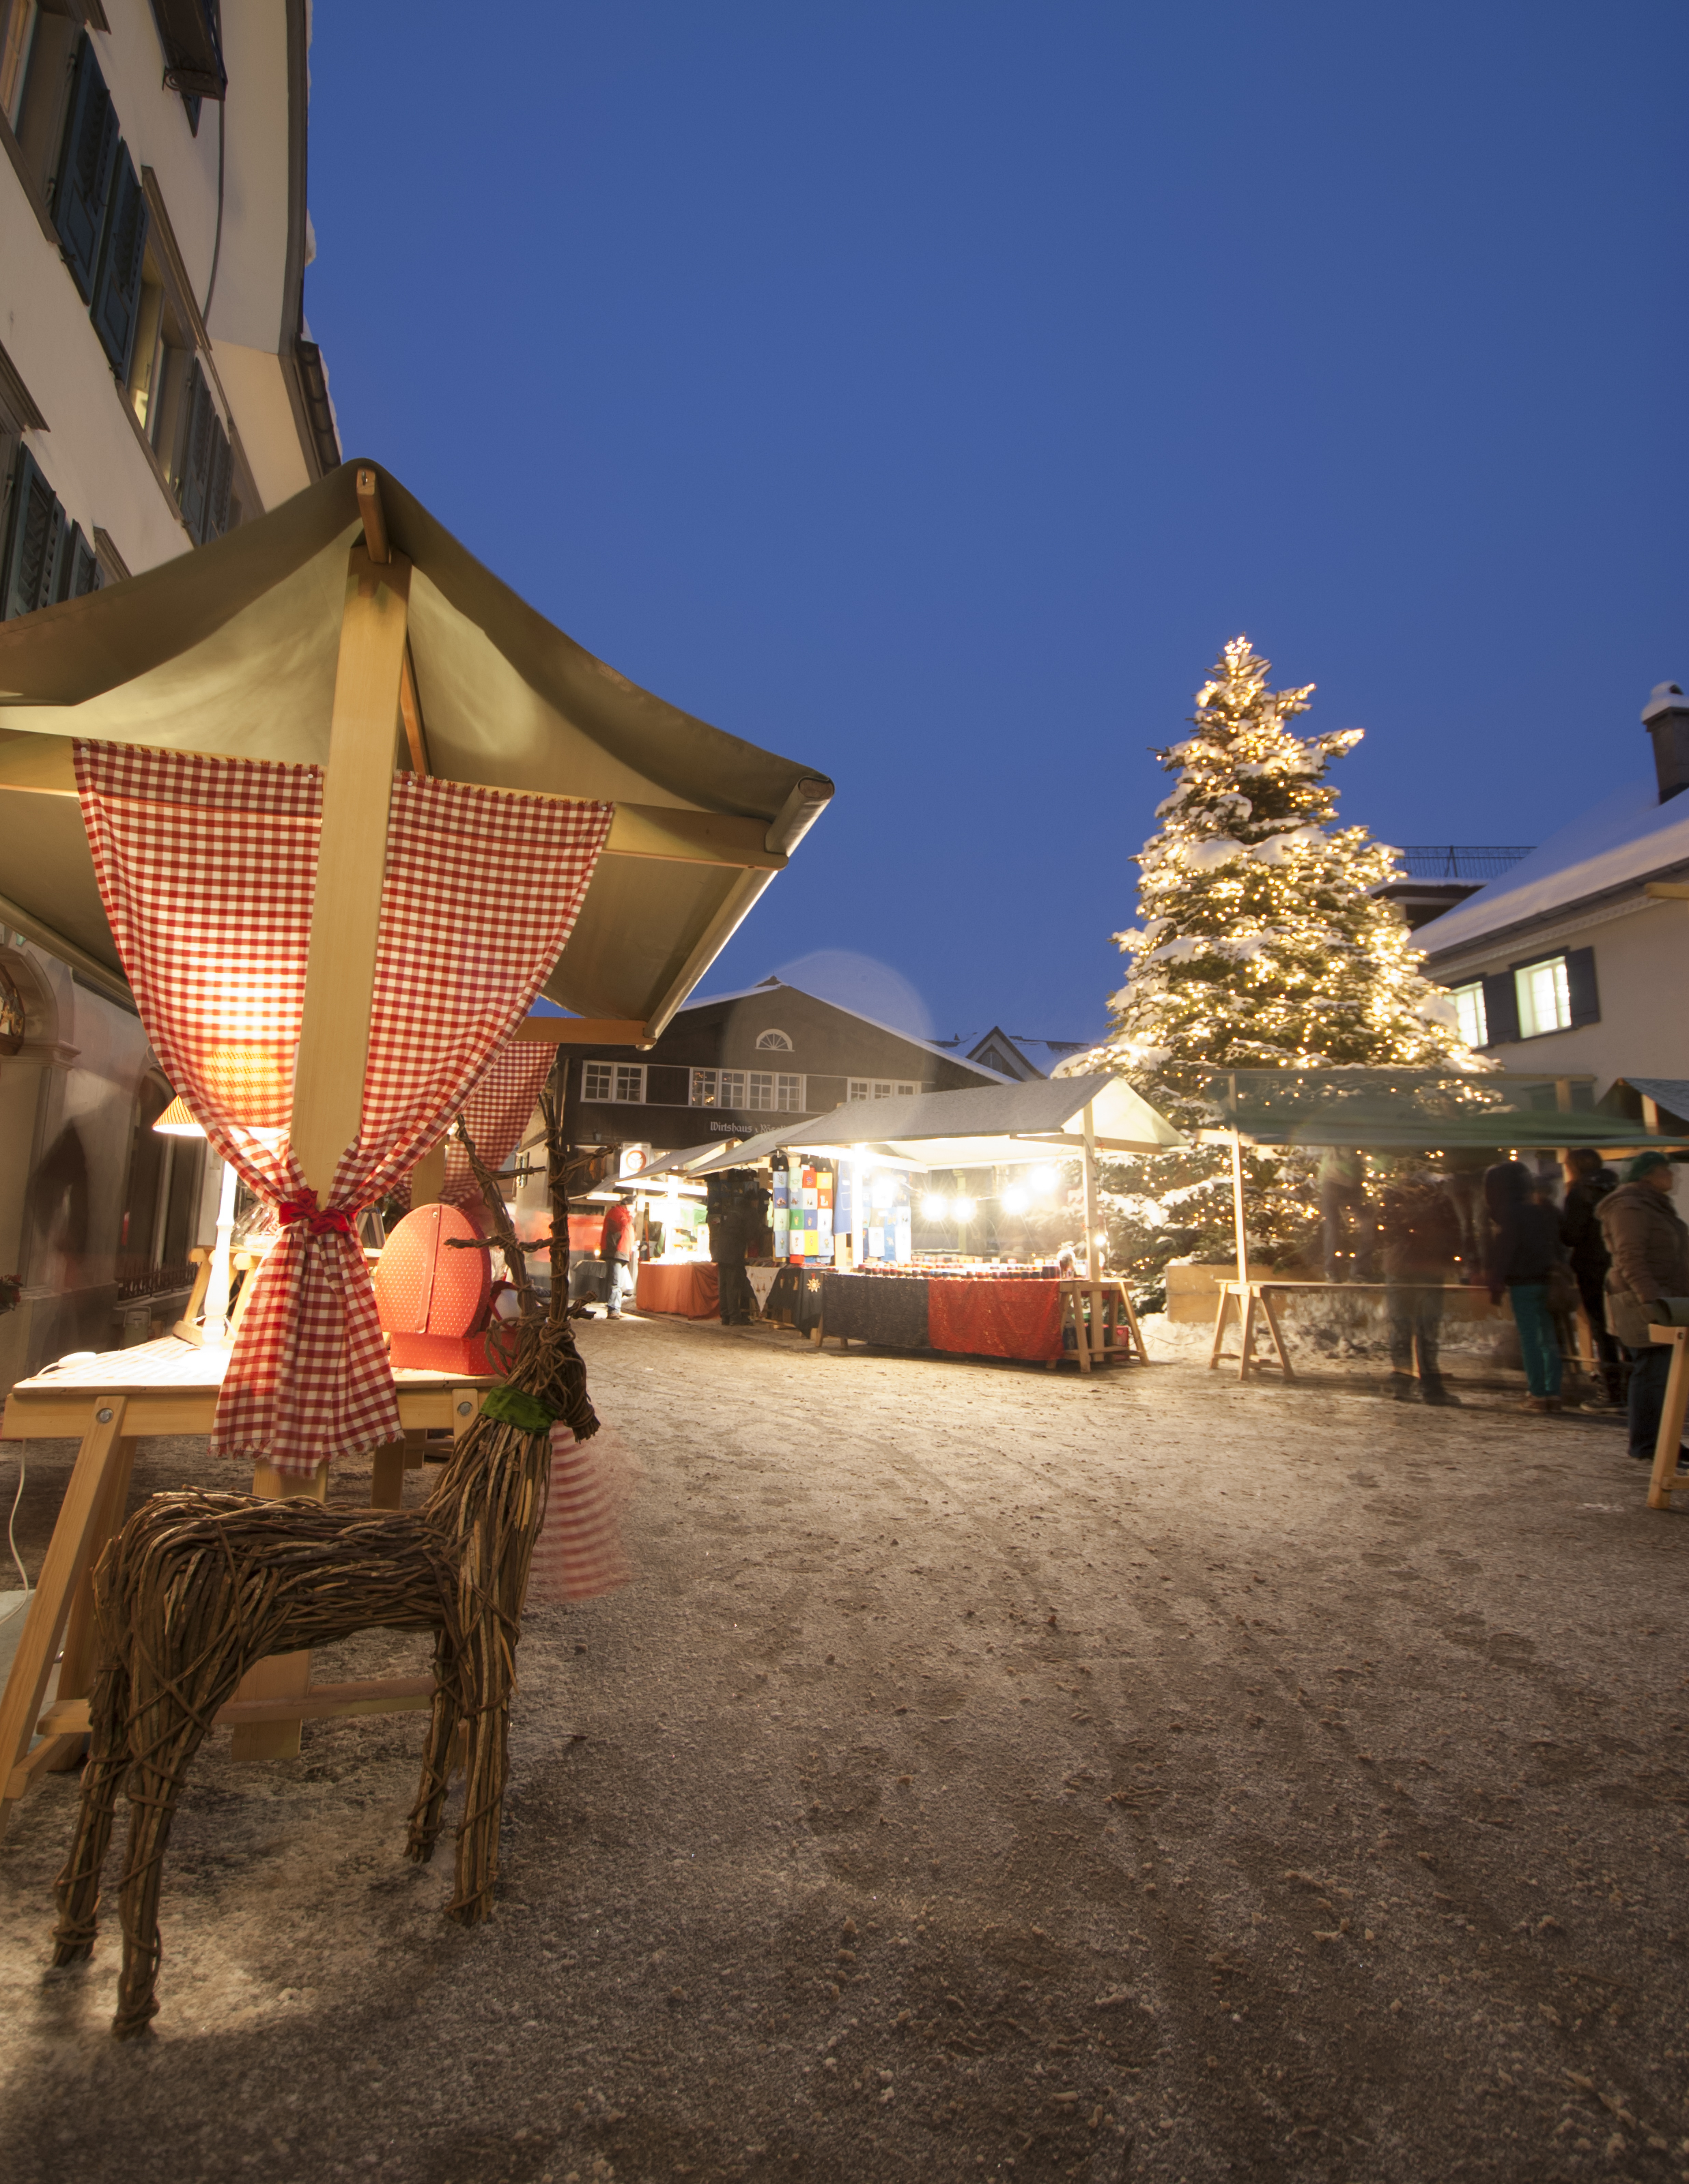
(1237, 1207)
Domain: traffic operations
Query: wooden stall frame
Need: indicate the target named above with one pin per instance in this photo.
(1666, 1479)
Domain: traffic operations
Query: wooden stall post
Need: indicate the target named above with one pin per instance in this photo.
(340, 977)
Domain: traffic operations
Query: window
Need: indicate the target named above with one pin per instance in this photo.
(762, 1097)
(730, 1088)
(43, 558)
(630, 1082)
(788, 1095)
(621, 1082)
(1545, 998)
(598, 1081)
(1468, 1010)
(883, 1088)
(773, 1041)
(703, 1087)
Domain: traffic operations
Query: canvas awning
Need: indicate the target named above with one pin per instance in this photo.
(997, 1125)
(232, 650)
(1411, 1111)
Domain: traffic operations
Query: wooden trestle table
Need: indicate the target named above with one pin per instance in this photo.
(112, 1400)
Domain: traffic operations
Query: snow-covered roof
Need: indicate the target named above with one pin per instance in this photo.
(1628, 837)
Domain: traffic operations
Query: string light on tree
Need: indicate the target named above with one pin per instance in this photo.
(1262, 944)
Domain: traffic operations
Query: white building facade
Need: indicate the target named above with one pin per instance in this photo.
(1574, 960)
(158, 387)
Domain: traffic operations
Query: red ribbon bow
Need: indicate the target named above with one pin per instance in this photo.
(322, 1221)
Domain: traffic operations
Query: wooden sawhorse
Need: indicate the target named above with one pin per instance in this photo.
(112, 1401)
(1106, 1330)
(1253, 1306)
(1666, 1479)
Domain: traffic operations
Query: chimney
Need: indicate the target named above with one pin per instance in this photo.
(1666, 718)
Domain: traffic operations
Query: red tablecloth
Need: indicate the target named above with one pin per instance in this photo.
(993, 1318)
(694, 1291)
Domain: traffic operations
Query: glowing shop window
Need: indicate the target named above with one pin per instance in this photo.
(598, 1080)
(703, 1087)
(1545, 998)
(1468, 1009)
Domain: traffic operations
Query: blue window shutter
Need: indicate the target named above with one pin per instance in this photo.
(1500, 1009)
(78, 570)
(1580, 987)
(117, 285)
(194, 467)
(86, 163)
(32, 541)
(219, 479)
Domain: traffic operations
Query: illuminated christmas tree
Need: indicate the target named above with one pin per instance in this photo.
(1261, 946)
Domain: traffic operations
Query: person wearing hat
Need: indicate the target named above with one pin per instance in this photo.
(1649, 1247)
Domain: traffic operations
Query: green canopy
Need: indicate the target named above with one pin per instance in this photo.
(1411, 1110)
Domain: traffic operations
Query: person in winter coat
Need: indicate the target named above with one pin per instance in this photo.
(1649, 1248)
(1587, 1182)
(1421, 1236)
(1524, 1246)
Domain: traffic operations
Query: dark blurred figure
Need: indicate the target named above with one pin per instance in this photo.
(1649, 1247)
(1349, 1233)
(1421, 1237)
(1524, 1248)
(1588, 1181)
(735, 1206)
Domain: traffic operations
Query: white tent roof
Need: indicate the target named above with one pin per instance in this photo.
(997, 1125)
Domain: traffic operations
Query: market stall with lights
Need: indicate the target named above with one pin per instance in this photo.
(1429, 1112)
(852, 1246)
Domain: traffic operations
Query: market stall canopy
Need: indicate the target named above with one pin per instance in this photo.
(1411, 1111)
(997, 1125)
(682, 1162)
(232, 650)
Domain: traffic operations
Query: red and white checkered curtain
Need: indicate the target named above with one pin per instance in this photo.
(207, 867)
(496, 1112)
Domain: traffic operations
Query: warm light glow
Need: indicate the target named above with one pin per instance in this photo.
(963, 1209)
(933, 1207)
(1015, 1200)
(1042, 1180)
(176, 1122)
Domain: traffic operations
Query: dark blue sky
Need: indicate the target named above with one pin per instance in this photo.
(927, 391)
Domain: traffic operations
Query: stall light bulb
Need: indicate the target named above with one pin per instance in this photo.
(963, 1209)
(933, 1207)
(1100, 1237)
(1042, 1179)
(1014, 1200)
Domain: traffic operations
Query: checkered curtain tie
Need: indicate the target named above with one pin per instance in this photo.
(207, 867)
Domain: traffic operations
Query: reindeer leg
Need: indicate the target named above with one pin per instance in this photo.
(78, 1886)
(437, 1752)
(483, 1797)
(167, 1737)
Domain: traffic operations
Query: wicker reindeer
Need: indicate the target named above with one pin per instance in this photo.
(198, 1587)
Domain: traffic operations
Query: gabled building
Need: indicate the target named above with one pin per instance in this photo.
(732, 1065)
(997, 1051)
(1575, 958)
(157, 387)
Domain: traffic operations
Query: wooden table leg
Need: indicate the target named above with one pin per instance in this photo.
(1137, 1332)
(1246, 1344)
(387, 1478)
(1272, 1317)
(1217, 1348)
(1082, 1328)
(81, 1654)
(1670, 1421)
(66, 1567)
(283, 1675)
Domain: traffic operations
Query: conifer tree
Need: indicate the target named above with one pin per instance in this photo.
(1261, 945)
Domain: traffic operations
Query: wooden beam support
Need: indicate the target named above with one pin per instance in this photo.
(375, 518)
(580, 1031)
(410, 712)
(357, 790)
